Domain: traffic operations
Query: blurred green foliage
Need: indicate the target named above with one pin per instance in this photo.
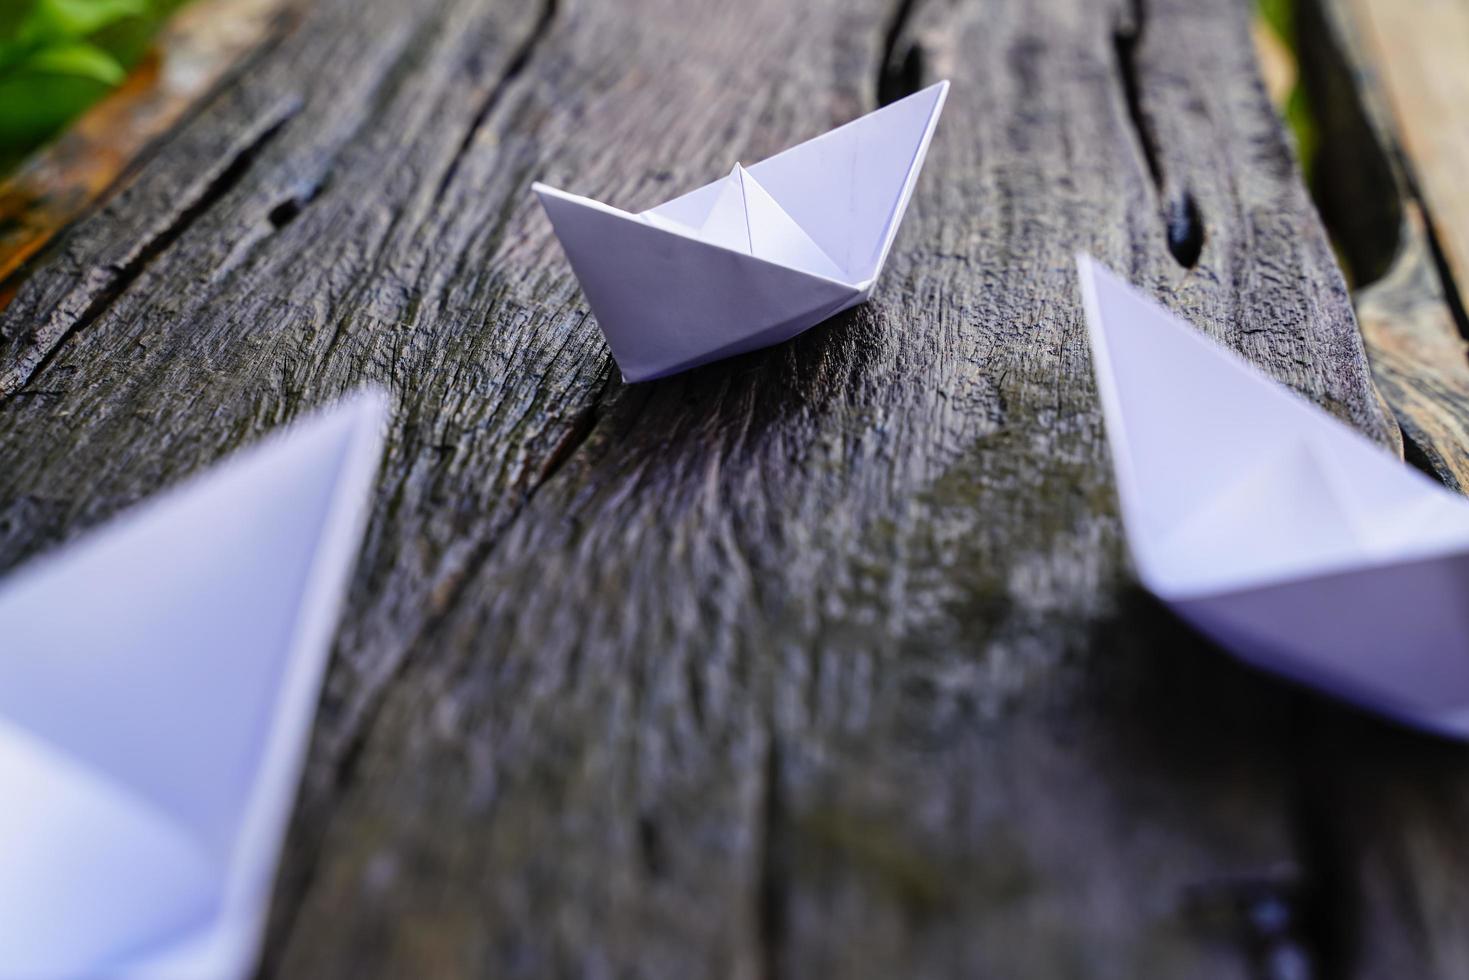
(1280, 18)
(59, 56)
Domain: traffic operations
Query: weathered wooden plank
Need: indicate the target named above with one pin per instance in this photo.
(780, 626)
(1416, 50)
(1390, 805)
(1418, 356)
(1376, 199)
(825, 658)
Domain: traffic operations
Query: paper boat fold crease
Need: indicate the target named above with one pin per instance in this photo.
(755, 258)
(158, 679)
(1284, 534)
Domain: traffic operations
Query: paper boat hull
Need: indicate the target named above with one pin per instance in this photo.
(1393, 639)
(667, 302)
(1274, 528)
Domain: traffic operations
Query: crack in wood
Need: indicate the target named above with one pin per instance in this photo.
(290, 209)
(1451, 294)
(1358, 187)
(899, 76)
(518, 62)
(1183, 225)
(1408, 304)
(771, 898)
(576, 434)
(46, 344)
(1185, 229)
(1360, 200)
(1125, 40)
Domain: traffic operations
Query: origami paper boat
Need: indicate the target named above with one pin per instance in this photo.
(157, 685)
(755, 258)
(1282, 533)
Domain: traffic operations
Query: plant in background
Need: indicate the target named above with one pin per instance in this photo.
(58, 56)
(1279, 18)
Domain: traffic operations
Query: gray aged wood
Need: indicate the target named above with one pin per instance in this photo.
(822, 661)
(1410, 307)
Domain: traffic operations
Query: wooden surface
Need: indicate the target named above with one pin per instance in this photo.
(1416, 49)
(825, 660)
(1379, 76)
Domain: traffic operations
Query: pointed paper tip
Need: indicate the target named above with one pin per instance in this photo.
(1086, 274)
(368, 405)
(363, 411)
(939, 89)
(544, 191)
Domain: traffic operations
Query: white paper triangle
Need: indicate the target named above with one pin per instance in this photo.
(1291, 532)
(827, 210)
(776, 237)
(850, 187)
(1390, 638)
(1277, 529)
(725, 223)
(163, 672)
(745, 218)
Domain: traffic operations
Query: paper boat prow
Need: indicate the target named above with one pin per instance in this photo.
(177, 653)
(1278, 530)
(1392, 639)
(849, 188)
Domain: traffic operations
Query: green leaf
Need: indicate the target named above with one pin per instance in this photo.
(80, 59)
(79, 18)
(1280, 15)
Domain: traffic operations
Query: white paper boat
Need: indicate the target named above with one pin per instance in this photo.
(755, 258)
(1279, 531)
(157, 684)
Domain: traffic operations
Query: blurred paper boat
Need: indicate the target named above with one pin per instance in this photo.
(157, 685)
(1282, 533)
(755, 258)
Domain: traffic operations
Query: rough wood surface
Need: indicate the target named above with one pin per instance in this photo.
(1397, 215)
(1416, 49)
(1402, 803)
(822, 661)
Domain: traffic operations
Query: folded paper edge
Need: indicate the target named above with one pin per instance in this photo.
(665, 228)
(1244, 645)
(262, 831)
(910, 180)
(1123, 469)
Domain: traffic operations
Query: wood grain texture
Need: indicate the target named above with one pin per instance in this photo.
(1396, 805)
(1419, 358)
(1417, 51)
(823, 660)
(1378, 197)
